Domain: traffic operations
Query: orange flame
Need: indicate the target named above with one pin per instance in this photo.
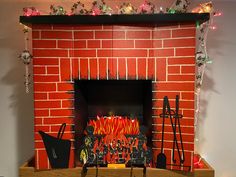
(115, 125)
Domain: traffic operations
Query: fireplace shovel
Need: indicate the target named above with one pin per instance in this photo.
(161, 157)
(58, 150)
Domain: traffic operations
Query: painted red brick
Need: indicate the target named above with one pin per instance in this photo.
(63, 27)
(168, 128)
(169, 145)
(109, 35)
(122, 68)
(82, 53)
(142, 68)
(184, 32)
(161, 34)
(46, 78)
(41, 113)
(184, 121)
(56, 34)
(170, 136)
(61, 112)
(187, 95)
(66, 135)
(168, 157)
(148, 43)
(52, 70)
(188, 69)
(130, 53)
(42, 159)
(44, 87)
(68, 104)
(93, 68)
(173, 69)
(117, 44)
(143, 44)
(185, 52)
(65, 44)
(161, 52)
(94, 43)
(56, 128)
(40, 96)
(58, 96)
(47, 104)
(43, 128)
(38, 121)
(188, 160)
(188, 113)
(174, 86)
(84, 68)
(65, 86)
(83, 35)
(105, 53)
(157, 44)
(65, 67)
(39, 70)
(151, 68)
(131, 66)
(179, 42)
(50, 53)
(59, 121)
(182, 60)
(161, 69)
(161, 95)
(181, 77)
(186, 104)
(44, 43)
(75, 68)
(39, 145)
(80, 44)
(138, 34)
(45, 61)
(112, 68)
(87, 27)
(183, 104)
(102, 68)
(37, 136)
(35, 34)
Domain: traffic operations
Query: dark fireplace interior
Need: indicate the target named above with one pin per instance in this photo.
(131, 98)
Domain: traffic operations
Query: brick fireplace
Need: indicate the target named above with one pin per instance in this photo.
(163, 54)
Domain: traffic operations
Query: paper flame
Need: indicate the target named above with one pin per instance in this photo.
(115, 125)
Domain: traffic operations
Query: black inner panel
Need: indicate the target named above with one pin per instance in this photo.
(112, 97)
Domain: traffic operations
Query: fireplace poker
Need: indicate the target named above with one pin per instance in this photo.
(177, 119)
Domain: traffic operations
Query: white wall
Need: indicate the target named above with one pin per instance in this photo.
(217, 125)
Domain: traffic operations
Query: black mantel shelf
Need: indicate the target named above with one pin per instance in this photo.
(116, 19)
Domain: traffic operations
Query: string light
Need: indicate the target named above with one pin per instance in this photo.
(26, 58)
(202, 57)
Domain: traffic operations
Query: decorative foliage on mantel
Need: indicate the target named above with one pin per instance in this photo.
(99, 7)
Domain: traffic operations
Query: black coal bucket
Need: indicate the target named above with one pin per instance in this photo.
(58, 150)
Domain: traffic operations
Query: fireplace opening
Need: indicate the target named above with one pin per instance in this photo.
(106, 99)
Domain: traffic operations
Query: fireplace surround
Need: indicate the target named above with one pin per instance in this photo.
(70, 53)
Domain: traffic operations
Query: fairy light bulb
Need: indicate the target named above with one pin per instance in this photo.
(213, 27)
(217, 14)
